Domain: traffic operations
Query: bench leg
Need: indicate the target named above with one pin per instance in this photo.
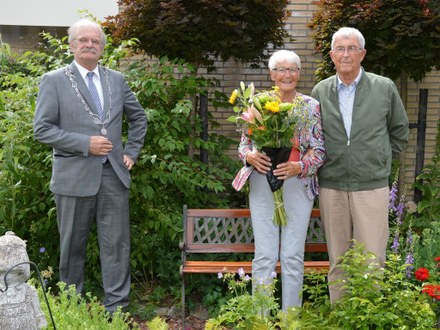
(183, 301)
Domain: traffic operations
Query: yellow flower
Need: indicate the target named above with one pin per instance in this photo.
(233, 96)
(272, 106)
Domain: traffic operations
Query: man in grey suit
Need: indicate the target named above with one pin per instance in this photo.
(79, 114)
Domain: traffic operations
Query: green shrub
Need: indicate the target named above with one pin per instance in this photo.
(26, 207)
(157, 324)
(375, 298)
(70, 311)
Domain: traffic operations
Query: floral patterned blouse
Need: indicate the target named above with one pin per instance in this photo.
(308, 137)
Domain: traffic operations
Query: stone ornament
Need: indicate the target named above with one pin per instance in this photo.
(19, 304)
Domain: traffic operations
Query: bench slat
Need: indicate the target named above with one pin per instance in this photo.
(243, 248)
(220, 248)
(214, 267)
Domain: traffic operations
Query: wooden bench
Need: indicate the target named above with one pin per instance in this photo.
(208, 231)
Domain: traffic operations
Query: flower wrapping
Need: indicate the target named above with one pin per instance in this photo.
(277, 156)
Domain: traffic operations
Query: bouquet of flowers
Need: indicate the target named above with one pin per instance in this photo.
(271, 125)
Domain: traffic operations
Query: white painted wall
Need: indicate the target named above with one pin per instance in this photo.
(52, 12)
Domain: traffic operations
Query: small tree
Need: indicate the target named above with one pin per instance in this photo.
(402, 36)
(198, 31)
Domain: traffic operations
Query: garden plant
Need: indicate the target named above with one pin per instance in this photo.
(375, 298)
(165, 178)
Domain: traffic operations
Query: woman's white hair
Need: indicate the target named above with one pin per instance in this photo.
(74, 29)
(348, 32)
(284, 56)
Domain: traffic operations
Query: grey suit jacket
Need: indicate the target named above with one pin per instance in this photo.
(62, 122)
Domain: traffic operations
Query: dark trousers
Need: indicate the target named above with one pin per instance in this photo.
(75, 216)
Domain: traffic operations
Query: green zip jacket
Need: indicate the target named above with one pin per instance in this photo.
(379, 131)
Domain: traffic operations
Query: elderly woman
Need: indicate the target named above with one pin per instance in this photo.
(300, 187)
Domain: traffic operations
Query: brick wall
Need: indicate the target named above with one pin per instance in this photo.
(231, 73)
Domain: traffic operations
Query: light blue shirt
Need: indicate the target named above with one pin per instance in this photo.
(96, 79)
(346, 99)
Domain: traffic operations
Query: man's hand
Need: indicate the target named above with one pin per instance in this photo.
(128, 162)
(100, 146)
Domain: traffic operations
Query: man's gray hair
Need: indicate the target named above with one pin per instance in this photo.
(73, 30)
(347, 32)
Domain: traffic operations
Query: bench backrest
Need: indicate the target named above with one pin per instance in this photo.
(230, 230)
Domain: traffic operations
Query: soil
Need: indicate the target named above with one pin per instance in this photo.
(175, 323)
(171, 313)
(191, 323)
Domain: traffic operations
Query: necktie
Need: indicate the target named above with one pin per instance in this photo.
(95, 95)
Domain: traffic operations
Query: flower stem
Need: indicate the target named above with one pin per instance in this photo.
(279, 215)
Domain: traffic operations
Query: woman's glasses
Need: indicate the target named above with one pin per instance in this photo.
(284, 70)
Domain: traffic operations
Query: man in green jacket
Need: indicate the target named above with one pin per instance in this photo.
(364, 125)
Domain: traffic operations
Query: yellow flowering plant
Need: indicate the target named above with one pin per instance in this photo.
(271, 125)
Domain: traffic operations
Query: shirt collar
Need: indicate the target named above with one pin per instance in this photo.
(355, 82)
(83, 71)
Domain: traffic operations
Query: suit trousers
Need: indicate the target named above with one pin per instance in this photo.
(355, 215)
(273, 242)
(75, 216)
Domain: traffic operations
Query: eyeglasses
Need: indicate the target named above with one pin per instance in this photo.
(84, 41)
(349, 49)
(284, 70)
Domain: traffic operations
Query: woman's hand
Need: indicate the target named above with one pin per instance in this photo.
(259, 161)
(287, 170)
